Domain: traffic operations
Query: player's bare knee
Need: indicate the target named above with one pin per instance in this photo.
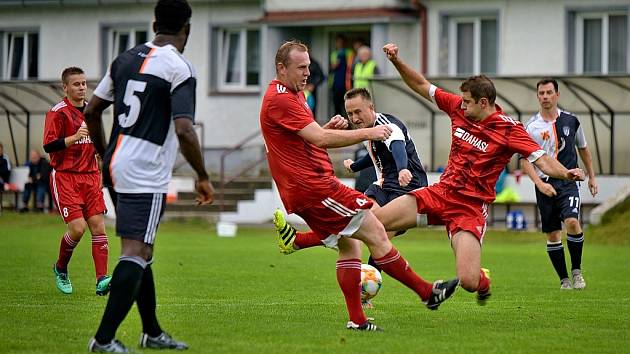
(76, 228)
(97, 227)
(555, 236)
(349, 248)
(573, 225)
(378, 235)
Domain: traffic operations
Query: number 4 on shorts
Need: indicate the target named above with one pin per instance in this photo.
(361, 201)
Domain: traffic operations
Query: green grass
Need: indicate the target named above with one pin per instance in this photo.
(615, 225)
(239, 295)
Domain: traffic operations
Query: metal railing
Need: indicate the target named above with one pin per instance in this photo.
(238, 147)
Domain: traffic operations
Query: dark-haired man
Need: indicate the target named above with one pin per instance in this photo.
(483, 142)
(558, 133)
(75, 181)
(305, 178)
(152, 87)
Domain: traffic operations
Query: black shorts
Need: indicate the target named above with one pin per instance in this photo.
(382, 196)
(554, 210)
(138, 215)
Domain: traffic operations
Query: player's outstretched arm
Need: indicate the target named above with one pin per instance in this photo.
(545, 188)
(412, 78)
(94, 119)
(551, 167)
(333, 138)
(191, 150)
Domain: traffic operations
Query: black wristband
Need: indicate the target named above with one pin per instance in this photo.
(56, 145)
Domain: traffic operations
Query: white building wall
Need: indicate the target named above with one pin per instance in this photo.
(301, 5)
(533, 44)
(407, 37)
(70, 36)
(532, 33)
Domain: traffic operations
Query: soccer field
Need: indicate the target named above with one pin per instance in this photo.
(240, 295)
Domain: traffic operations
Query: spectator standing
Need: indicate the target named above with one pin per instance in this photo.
(365, 68)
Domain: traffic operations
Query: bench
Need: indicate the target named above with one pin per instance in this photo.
(19, 177)
(497, 212)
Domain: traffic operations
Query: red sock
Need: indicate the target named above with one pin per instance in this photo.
(397, 267)
(484, 283)
(99, 254)
(65, 252)
(307, 239)
(349, 279)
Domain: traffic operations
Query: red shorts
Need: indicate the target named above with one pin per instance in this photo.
(339, 211)
(456, 212)
(78, 195)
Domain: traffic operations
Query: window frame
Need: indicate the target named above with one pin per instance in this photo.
(109, 41)
(578, 41)
(221, 57)
(6, 52)
(452, 20)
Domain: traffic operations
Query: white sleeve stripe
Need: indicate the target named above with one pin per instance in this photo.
(535, 155)
(580, 139)
(432, 90)
(103, 96)
(397, 135)
(381, 121)
(105, 88)
(382, 118)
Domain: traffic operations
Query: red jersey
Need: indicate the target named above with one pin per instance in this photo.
(480, 150)
(302, 171)
(64, 120)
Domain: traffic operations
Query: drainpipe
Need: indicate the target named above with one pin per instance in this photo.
(422, 17)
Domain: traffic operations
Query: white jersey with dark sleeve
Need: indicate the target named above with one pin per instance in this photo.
(150, 87)
(558, 138)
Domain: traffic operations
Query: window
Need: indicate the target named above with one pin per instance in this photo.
(238, 60)
(472, 45)
(20, 57)
(121, 38)
(601, 43)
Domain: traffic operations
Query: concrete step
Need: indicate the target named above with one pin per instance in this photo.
(211, 217)
(241, 189)
(189, 205)
(228, 194)
(244, 183)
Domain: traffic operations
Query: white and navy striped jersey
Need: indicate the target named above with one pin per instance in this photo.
(150, 86)
(384, 163)
(558, 138)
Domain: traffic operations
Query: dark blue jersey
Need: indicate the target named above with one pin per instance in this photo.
(383, 159)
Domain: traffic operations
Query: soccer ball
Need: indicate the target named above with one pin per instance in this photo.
(370, 281)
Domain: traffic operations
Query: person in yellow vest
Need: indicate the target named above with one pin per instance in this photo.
(365, 69)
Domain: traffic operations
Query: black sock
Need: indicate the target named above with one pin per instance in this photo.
(574, 243)
(125, 285)
(556, 255)
(373, 264)
(146, 304)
